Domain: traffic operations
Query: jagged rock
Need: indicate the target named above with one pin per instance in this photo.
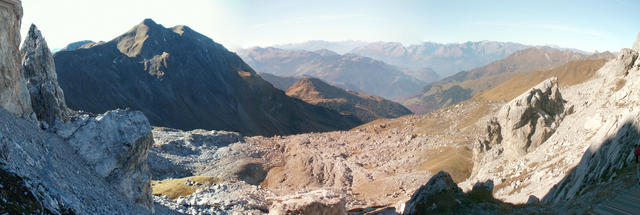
(116, 144)
(531, 118)
(533, 200)
(600, 161)
(622, 65)
(494, 136)
(439, 195)
(58, 178)
(318, 202)
(39, 71)
(14, 95)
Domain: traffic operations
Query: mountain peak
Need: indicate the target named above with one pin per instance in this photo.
(149, 22)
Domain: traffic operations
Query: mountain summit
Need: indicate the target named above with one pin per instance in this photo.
(180, 78)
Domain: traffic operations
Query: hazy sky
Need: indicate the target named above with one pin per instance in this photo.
(588, 25)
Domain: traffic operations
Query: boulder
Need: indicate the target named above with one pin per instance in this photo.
(531, 118)
(439, 195)
(14, 96)
(318, 202)
(116, 145)
(39, 71)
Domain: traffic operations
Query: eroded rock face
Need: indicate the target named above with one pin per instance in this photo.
(530, 119)
(437, 196)
(39, 71)
(116, 144)
(14, 96)
(318, 202)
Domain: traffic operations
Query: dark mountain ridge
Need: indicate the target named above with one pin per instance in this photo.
(182, 79)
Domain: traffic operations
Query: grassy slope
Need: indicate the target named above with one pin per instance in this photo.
(572, 73)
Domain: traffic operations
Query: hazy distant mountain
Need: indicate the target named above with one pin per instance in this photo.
(340, 47)
(444, 59)
(464, 85)
(349, 71)
(182, 79)
(365, 107)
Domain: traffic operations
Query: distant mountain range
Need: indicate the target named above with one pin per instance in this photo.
(341, 47)
(443, 59)
(365, 107)
(182, 79)
(466, 84)
(348, 71)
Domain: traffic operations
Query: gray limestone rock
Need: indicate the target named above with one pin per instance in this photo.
(116, 145)
(61, 180)
(39, 71)
(14, 96)
(531, 118)
(318, 202)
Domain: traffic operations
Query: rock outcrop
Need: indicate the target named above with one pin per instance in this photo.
(615, 130)
(318, 202)
(439, 195)
(59, 180)
(116, 145)
(182, 79)
(527, 121)
(14, 96)
(39, 71)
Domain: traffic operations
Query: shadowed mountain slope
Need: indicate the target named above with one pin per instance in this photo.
(363, 106)
(182, 79)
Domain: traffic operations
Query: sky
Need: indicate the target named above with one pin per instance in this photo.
(587, 25)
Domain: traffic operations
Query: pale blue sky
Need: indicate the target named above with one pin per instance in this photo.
(588, 25)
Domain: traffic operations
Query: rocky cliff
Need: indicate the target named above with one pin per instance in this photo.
(580, 149)
(39, 71)
(14, 96)
(80, 164)
(179, 78)
(365, 107)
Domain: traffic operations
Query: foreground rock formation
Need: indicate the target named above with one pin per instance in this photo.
(14, 96)
(88, 165)
(589, 148)
(39, 71)
(116, 145)
(365, 107)
(179, 78)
